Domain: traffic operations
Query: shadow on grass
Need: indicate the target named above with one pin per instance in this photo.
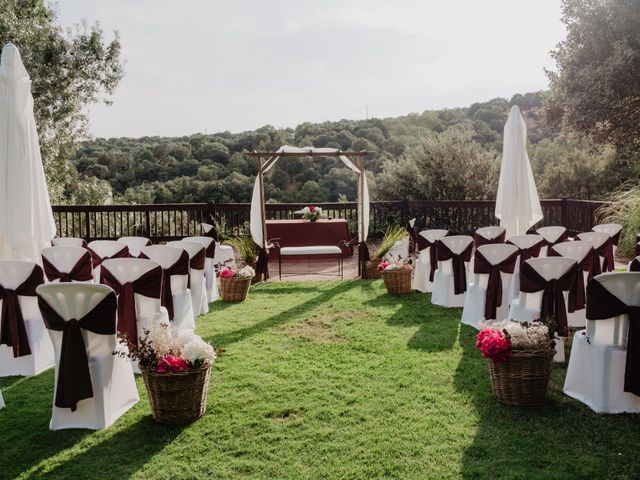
(562, 439)
(285, 316)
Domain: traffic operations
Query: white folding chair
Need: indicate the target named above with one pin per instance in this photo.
(67, 264)
(597, 367)
(613, 230)
(422, 272)
(552, 235)
(197, 281)
(400, 249)
(209, 265)
(18, 281)
(102, 250)
(176, 278)
(111, 376)
(496, 262)
(581, 252)
(68, 242)
(223, 253)
(487, 235)
(135, 244)
(528, 306)
(530, 246)
(601, 244)
(452, 271)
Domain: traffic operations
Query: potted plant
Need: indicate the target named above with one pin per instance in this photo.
(312, 213)
(234, 283)
(520, 360)
(246, 249)
(175, 369)
(391, 236)
(396, 276)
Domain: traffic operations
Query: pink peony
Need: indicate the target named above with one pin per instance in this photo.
(383, 265)
(312, 208)
(226, 273)
(172, 364)
(493, 345)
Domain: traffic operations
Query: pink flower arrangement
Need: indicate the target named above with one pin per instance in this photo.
(227, 273)
(312, 208)
(493, 344)
(383, 265)
(172, 364)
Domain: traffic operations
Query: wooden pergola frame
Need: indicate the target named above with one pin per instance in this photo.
(265, 159)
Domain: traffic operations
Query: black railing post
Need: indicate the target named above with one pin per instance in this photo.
(404, 211)
(87, 219)
(563, 214)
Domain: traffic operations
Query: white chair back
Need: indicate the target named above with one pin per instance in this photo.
(526, 241)
(577, 249)
(192, 248)
(164, 255)
(497, 252)
(63, 258)
(14, 272)
(551, 268)
(73, 300)
(551, 234)
(128, 270)
(206, 227)
(106, 248)
(610, 229)
(135, 244)
(68, 242)
(204, 241)
(433, 235)
(457, 243)
(597, 239)
(491, 232)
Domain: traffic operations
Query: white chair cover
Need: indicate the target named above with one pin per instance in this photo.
(443, 281)
(13, 273)
(399, 249)
(104, 249)
(68, 242)
(613, 230)
(532, 245)
(209, 268)
(597, 239)
(113, 383)
(578, 250)
(197, 278)
(167, 257)
(422, 268)
(473, 313)
(527, 307)
(135, 244)
(595, 375)
(553, 235)
(65, 259)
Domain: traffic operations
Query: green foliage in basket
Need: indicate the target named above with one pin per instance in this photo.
(391, 236)
(245, 248)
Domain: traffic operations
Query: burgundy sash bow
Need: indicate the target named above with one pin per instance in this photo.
(74, 377)
(13, 331)
(605, 250)
(458, 263)
(181, 267)
(602, 304)
(552, 296)
(197, 262)
(212, 233)
(479, 240)
(530, 252)
(560, 239)
(635, 265)
(149, 284)
(493, 297)
(616, 238)
(262, 264)
(97, 259)
(81, 271)
(577, 299)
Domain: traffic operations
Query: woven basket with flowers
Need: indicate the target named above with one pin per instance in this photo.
(396, 276)
(234, 283)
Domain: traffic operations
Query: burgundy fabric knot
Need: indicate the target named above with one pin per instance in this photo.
(13, 331)
(81, 271)
(560, 239)
(577, 299)
(180, 267)
(602, 304)
(480, 240)
(493, 296)
(74, 376)
(149, 284)
(552, 297)
(97, 259)
(529, 252)
(262, 264)
(443, 253)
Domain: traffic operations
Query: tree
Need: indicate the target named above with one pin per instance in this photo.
(69, 71)
(595, 89)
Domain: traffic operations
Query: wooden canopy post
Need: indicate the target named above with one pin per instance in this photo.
(263, 213)
(359, 162)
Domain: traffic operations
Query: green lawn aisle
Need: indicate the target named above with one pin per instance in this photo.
(330, 380)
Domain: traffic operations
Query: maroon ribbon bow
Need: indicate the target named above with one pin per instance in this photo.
(635, 265)
(181, 267)
(74, 377)
(426, 243)
(552, 296)
(81, 271)
(560, 239)
(493, 296)
(197, 262)
(458, 263)
(602, 304)
(262, 264)
(480, 240)
(530, 252)
(616, 238)
(97, 259)
(212, 233)
(605, 250)
(149, 284)
(13, 331)
(577, 299)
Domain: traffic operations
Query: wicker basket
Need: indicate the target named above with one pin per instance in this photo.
(234, 289)
(398, 282)
(371, 271)
(523, 378)
(177, 398)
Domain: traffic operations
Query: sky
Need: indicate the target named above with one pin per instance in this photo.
(212, 65)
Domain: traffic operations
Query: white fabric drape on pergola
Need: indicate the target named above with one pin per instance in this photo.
(257, 201)
(517, 203)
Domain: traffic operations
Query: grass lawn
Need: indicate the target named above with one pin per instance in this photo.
(330, 380)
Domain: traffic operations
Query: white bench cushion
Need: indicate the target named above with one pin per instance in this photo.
(311, 250)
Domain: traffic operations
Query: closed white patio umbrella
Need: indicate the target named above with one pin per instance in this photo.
(26, 220)
(517, 203)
